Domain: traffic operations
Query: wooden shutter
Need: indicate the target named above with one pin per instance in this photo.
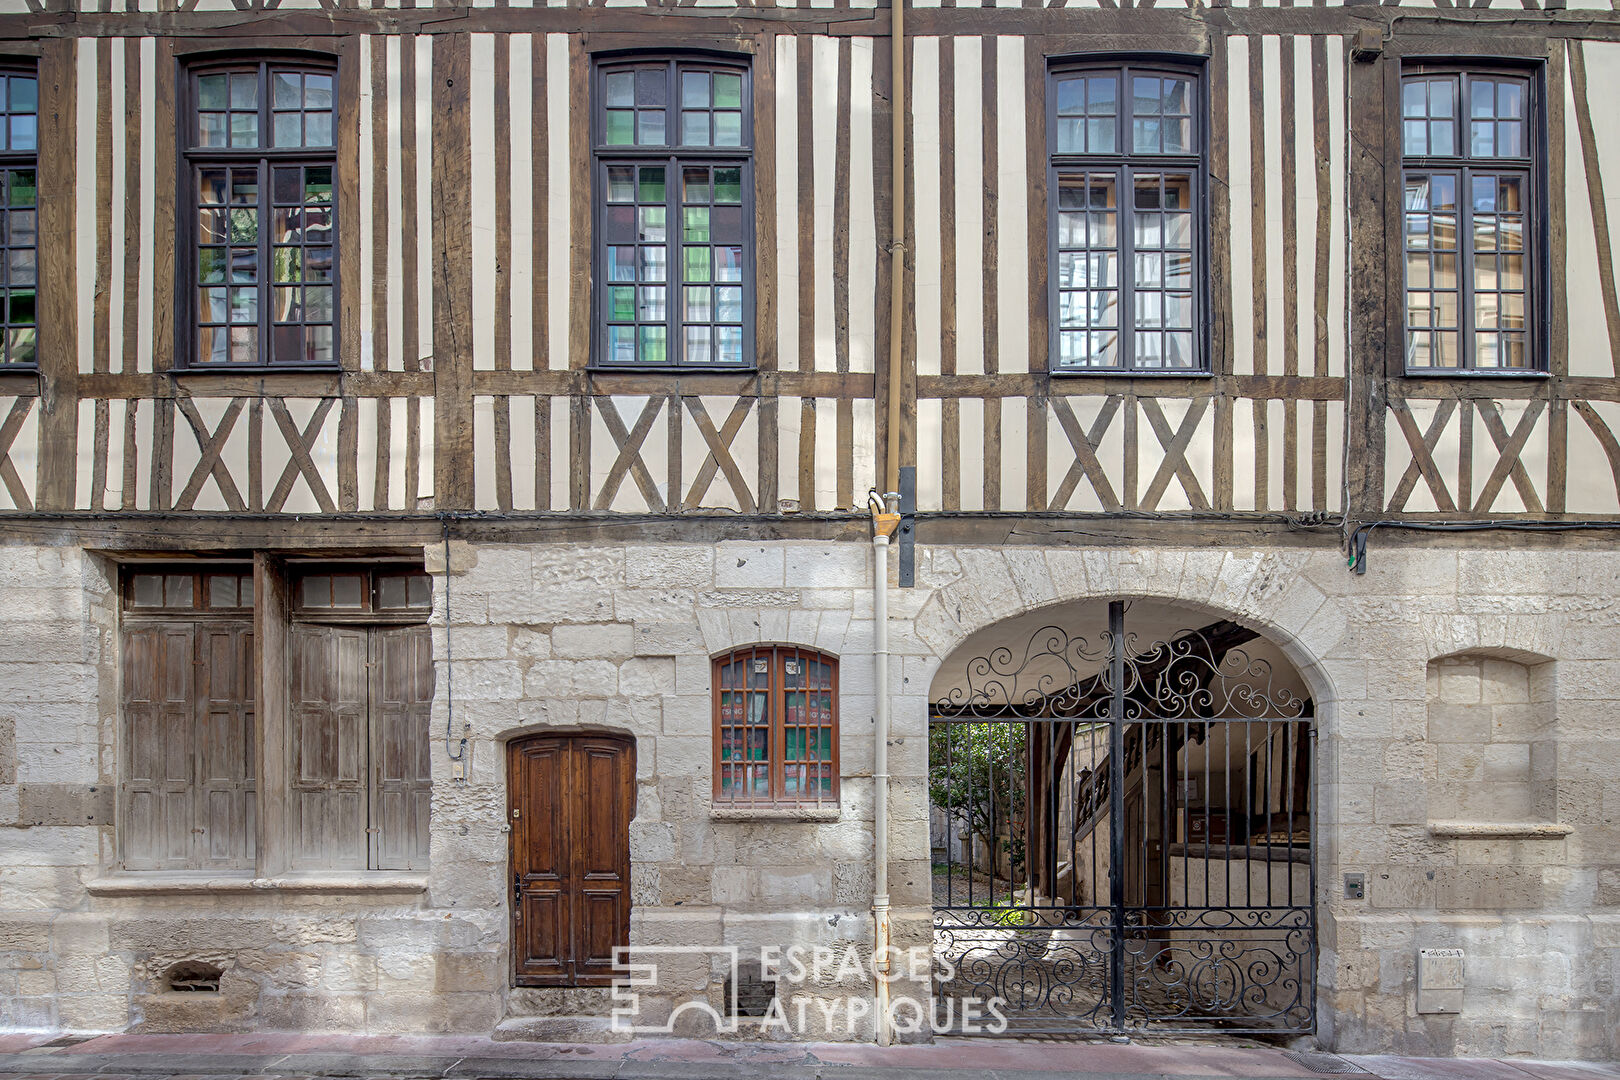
(159, 720)
(328, 748)
(226, 801)
(401, 701)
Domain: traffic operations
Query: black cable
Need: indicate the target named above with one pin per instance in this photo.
(449, 663)
(1358, 537)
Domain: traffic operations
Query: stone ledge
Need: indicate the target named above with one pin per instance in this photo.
(1504, 830)
(134, 883)
(775, 813)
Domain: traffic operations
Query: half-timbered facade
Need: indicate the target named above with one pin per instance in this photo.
(435, 547)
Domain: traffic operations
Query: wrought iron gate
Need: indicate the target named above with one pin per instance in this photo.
(1128, 834)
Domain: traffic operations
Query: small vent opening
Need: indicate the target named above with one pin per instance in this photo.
(193, 977)
(753, 993)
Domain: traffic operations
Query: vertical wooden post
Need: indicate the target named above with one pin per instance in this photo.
(452, 274)
(58, 324)
(270, 624)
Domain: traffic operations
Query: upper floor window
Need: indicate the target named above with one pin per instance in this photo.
(674, 199)
(260, 166)
(775, 727)
(1469, 238)
(1125, 218)
(19, 149)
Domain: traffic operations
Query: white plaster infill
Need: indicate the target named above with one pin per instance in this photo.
(1499, 830)
(775, 813)
(134, 883)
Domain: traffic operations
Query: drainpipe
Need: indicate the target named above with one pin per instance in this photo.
(885, 520)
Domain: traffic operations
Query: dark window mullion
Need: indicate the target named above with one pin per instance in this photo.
(1467, 355)
(674, 283)
(1126, 183)
(265, 291)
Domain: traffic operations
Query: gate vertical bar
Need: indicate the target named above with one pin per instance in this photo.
(1116, 803)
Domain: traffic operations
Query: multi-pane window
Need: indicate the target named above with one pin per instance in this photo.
(674, 197)
(1126, 178)
(1468, 240)
(260, 164)
(776, 727)
(19, 148)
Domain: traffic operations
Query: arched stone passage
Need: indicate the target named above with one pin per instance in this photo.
(1122, 805)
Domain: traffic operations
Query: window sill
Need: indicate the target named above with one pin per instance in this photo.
(1131, 373)
(1506, 830)
(775, 813)
(167, 883)
(21, 381)
(1473, 373)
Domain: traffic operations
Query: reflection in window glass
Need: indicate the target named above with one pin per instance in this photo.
(1465, 229)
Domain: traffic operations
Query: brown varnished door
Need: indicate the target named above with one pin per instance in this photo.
(572, 797)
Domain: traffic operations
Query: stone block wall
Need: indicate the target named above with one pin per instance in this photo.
(1441, 675)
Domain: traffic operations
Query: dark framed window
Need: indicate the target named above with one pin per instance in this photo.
(261, 256)
(19, 201)
(1470, 235)
(674, 200)
(369, 593)
(1126, 219)
(775, 727)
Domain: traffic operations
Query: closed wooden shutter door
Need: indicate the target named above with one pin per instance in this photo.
(402, 785)
(189, 771)
(159, 712)
(328, 748)
(226, 800)
(604, 794)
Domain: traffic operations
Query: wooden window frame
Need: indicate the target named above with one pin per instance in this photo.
(265, 157)
(1532, 166)
(776, 704)
(672, 154)
(371, 612)
(1125, 165)
(11, 159)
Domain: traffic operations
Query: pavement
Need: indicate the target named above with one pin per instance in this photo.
(206, 1057)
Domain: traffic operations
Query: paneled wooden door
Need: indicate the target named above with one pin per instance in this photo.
(572, 797)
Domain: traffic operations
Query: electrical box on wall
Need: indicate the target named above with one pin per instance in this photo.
(1440, 980)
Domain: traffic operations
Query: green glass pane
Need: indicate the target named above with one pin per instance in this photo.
(211, 266)
(695, 225)
(653, 344)
(727, 129)
(621, 127)
(652, 183)
(653, 223)
(211, 92)
(244, 225)
(727, 91)
(728, 185)
(21, 189)
(696, 265)
(622, 303)
(20, 346)
(287, 264)
(20, 307)
(24, 95)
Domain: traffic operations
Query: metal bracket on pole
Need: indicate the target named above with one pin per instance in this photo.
(908, 526)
